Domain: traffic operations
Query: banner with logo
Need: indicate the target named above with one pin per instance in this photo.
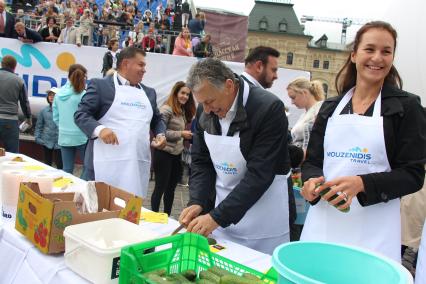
(229, 35)
(45, 65)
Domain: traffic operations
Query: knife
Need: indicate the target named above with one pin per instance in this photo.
(181, 226)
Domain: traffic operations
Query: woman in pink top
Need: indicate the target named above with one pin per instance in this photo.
(183, 46)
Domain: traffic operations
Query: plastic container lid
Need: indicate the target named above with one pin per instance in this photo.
(109, 235)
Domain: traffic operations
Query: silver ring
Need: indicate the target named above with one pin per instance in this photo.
(346, 195)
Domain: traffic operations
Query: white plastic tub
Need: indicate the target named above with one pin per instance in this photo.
(92, 249)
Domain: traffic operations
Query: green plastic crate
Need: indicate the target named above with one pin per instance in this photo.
(176, 254)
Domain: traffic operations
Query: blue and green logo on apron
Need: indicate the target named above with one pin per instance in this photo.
(356, 155)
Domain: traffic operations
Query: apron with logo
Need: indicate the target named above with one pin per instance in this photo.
(355, 145)
(265, 224)
(127, 165)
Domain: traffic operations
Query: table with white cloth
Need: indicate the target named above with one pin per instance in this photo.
(22, 262)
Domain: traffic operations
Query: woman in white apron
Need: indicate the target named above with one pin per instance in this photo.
(368, 146)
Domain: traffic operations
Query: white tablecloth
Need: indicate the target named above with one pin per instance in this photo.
(21, 262)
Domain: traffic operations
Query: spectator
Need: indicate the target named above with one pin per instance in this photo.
(128, 42)
(13, 91)
(7, 22)
(137, 18)
(147, 19)
(96, 12)
(69, 34)
(204, 48)
(52, 11)
(160, 47)
(110, 57)
(50, 33)
(196, 25)
(159, 11)
(308, 95)
(25, 34)
(148, 42)
(85, 30)
(169, 10)
(186, 11)
(183, 46)
(164, 23)
(71, 139)
(20, 15)
(46, 132)
(137, 35)
(177, 20)
(176, 113)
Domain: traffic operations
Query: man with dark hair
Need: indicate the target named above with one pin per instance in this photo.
(239, 164)
(261, 66)
(117, 114)
(7, 22)
(196, 25)
(12, 91)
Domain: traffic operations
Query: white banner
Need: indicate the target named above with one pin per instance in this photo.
(45, 65)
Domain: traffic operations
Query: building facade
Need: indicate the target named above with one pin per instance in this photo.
(274, 23)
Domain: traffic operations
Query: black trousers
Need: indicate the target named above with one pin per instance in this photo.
(48, 157)
(167, 168)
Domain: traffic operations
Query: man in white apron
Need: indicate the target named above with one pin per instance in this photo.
(354, 145)
(120, 112)
(238, 186)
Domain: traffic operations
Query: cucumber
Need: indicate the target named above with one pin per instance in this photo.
(160, 272)
(322, 193)
(190, 274)
(209, 276)
(250, 276)
(234, 279)
(219, 271)
(205, 281)
(158, 279)
(178, 278)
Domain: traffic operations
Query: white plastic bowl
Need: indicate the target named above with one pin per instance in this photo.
(92, 249)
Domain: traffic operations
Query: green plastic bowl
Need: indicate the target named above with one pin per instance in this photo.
(317, 262)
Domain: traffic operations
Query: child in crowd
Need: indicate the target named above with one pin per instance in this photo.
(46, 132)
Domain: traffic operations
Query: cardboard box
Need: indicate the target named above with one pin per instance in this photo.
(2, 152)
(42, 218)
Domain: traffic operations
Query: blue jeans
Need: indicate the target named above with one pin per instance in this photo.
(9, 134)
(68, 158)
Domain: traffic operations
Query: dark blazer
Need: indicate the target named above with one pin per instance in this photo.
(404, 126)
(9, 27)
(45, 33)
(30, 34)
(263, 125)
(97, 101)
(107, 62)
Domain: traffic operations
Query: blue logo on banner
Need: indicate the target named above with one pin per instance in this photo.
(27, 51)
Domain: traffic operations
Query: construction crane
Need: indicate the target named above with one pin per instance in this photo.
(346, 22)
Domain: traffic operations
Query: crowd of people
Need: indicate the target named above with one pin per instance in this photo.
(86, 23)
(362, 150)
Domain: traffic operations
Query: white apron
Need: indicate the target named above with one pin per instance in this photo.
(355, 145)
(265, 224)
(421, 261)
(127, 165)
